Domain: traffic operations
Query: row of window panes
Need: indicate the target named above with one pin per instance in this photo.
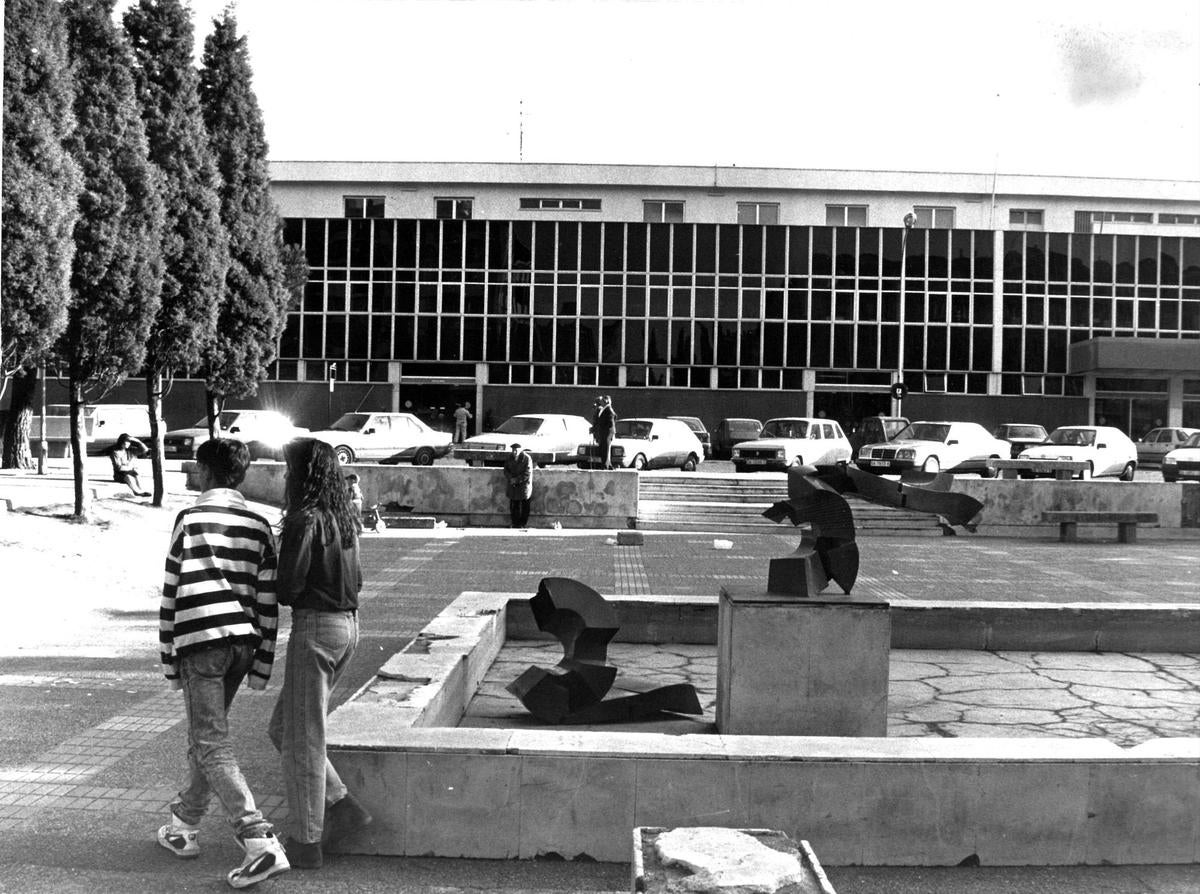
(690, 248)
(639, 302)
(1149, 317)
(560, 204)
(1063, 257)
(844, 346)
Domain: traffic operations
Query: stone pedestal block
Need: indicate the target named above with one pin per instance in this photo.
(789, 666)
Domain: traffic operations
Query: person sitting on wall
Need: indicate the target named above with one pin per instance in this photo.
(122, 455)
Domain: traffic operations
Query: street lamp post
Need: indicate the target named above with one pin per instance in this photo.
(910, 221)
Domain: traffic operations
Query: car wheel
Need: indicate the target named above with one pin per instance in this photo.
(344, 455)
(689, 465)
(932, 464)
(423, 457)
(987, 471)
(1127, 472)
(1086, 474)
(639, 462)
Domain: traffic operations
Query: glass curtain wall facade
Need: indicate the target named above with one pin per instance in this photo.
(571, 303)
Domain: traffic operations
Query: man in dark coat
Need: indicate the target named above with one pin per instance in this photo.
(518, 470)
(602, 429)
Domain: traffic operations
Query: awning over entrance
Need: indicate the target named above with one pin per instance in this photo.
(1132, 357)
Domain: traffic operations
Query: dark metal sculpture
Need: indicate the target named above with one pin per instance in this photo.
(828, 550)
(573, 692)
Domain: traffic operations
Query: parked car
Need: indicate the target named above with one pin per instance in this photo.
(263, 431)
(732, 431)
(648, 443)
(875, 430)
(548, 437)
(698, 429)
(935, 447)
(1021, 435)
(1184, 461)
(386, 437)
(102, 425)
(793, 441)
(1158, 442)
(1107, 450)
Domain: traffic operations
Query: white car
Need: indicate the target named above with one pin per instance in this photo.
(1158, 442)
(793, 441)
(936, 447)
(548, 437)
(266, 430)
(1107, 450)
(1183, 463)
(386, 437)
(649, 443)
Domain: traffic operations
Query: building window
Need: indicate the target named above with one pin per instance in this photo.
(1025, 219)
(363, 206)
(757, 212)
(845, 215)
(1094, 221)
(934, 217)
(1179, 218)
(655, 211)
(561, 204)
(454, 209)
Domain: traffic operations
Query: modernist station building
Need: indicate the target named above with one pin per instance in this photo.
(727, 291)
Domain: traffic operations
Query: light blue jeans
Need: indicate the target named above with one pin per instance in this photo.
(319, 650)
(210, 679)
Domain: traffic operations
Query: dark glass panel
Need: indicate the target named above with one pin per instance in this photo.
(381, 297)
(568, 245)
(843, 346)
(822, 305)
(935, 349)
(381, 337)
(751, 335)
(1147, 259)
(384, 235)
(360, 243)
(774, 305)
(937, 308)
(635, 301)
(889, 346)
(681, 343)
(797, 344)
(402, 338)
(981, 348)
(983, 254)
(451, 295)
(751, 304)
(314, 296)
(428, 234)
(293, 231)
(336, 296)
(405, 298)
(915, 253)
(1058, 255)
(868, 306)
(660, 247)
(476, 244)
(614, 246)
(357, 336)
(845, 248)
(1035, 351)
(868, 345)
(1124, 314)
(658, 302)
(543, 245)
(338, 242)
(1011, 346)
(427, 338)
(705, 303)
(776, 250)
(521, 245)
(727, 304)
(335, 336)
(1056, 351)
(728, 248)
(589, 340)
(727, 378)
(610, 347)
(797, 305)
(289, 341)
(497, 333)
(658, 342)
(406, 243)
(589, 243)
(1035, 256)
(752, 248)
(497, 249)
(1035, 311)
(543, 301)
(914, 348)
(822, 250)
(939, 252)
(681, 302)
(359, 295)
(565, 341)
(635, 246)
(960, 253)
(702, 352)
(706, 248)
(543, 342)
(518, 341)
(798, 250)
(612, 301)
(820, 344)
(727, 336)
(1191, 262)
(635, 341)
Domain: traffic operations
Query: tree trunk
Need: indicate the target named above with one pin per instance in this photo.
(215, 403)
(79, 452)
(154, 392)
(18, 422)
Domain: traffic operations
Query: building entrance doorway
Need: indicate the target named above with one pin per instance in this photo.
(850, 407)
(434, 403)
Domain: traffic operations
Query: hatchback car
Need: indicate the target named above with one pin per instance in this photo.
(547, 437)
(793, 441)
(698, 429)
(935, 447)
(648, 443)
(732, 431)
(1158, 442)
(1183, 463)
(1106, 450)
(386, 437)
(1021, 435)
(264, 431)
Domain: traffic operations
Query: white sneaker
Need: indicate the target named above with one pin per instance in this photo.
(179, 838)
(265, 857)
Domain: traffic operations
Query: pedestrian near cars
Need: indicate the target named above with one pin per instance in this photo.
(319, 579)
(462, 416)
(217, 623)
(603, 422)
(122, 455)
(518, 472)
(355, 494)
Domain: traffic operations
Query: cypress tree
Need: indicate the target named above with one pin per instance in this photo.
(194, 245)
(254, 307)
(117, 272)
(40, 189)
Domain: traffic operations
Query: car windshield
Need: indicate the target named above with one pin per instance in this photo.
(924, 431)
(520, 425)
(1073, 437)
(785, 428)
(350, 422)
(633, 428)
(1193, 441)
(1023, 431)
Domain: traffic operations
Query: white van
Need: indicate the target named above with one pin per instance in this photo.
(102, 425)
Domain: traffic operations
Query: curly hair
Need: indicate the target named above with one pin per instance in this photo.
(315, 485)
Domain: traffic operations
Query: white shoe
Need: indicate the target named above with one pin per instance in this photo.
(179, 838)
(265, 857)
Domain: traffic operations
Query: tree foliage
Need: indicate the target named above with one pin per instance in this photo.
(254, 307)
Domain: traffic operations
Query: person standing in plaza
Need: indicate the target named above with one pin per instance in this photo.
(518, 471)
(217, 623)
(462, 417)
(320, 579)
(602, 429)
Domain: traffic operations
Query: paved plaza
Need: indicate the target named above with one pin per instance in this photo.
(92, 744)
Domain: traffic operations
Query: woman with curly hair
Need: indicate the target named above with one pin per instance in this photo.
(319, 577)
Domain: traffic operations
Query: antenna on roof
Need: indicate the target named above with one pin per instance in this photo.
(521, 129)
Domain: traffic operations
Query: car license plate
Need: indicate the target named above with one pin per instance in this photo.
(878, 462)
(755, 462)
(1189, 473)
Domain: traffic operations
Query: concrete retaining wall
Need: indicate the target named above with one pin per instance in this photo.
(462, 496)
(1022, 502)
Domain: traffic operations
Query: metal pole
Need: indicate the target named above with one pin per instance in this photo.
(909, 220)
(42, 445)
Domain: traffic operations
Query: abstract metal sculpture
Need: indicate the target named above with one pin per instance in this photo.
(573, 692)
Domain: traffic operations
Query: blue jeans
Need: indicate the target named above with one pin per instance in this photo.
(319, 650)
(210, 679)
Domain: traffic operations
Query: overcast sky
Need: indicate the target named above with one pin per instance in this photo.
(1082, 87)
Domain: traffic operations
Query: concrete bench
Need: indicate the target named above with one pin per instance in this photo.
(1064, 469)
(1126, 523)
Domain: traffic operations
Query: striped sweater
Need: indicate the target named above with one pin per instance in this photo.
(219, 583)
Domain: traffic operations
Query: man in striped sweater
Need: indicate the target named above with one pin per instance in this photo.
(217, 624)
